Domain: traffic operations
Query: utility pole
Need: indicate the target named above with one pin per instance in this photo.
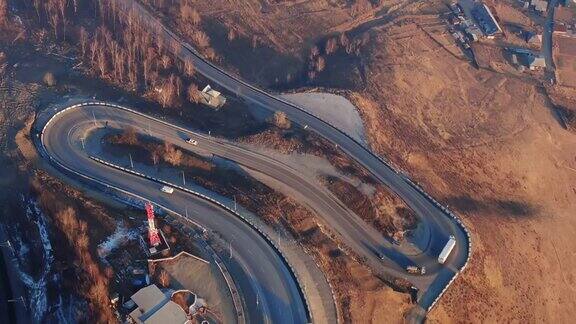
(94, 117)
(235, 205)
(230, 247)
(82, 140)
(131, 162)
(183, 178)
(186, 211)
(19, 299)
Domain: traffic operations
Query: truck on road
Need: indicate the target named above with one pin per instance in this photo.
(447, 249)
(416, 270)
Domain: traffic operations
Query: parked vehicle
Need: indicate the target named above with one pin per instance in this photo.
(447, 249)
(167, 189)
(416, 270)
(192, 141)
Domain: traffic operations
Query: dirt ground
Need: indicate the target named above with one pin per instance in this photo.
(489, 144)
(202, 278)
(564, 53)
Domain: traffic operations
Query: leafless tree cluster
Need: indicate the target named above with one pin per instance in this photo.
(57, 14)
(128, 137)
(194, 94)
(121, 49)
(331, 45)
(188, 14)
(49, 79)
(171, 154)
(124, 52)
(164, 278)
(92, 280)
(232, 34)
(188, 21)
(281, 120)
(3, 12)
(3, 63)
(317, 61)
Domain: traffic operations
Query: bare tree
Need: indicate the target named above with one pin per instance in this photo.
(166, 62)
(195, 18)
(344, 41)
(155, 154)
(320, 64)
(189, 68)
(210, 54)
(255, 40)
(281, 120)
(194, 94)
(54, 21)
(49, 79)
(331, 46)
(172, 155)
(314, 51)
(3, 12)
(311, 75)
(232, 34)
(83, 41)
(129, 137)
(164, 278)
(166, 93)
(176, 84)
(201, 39)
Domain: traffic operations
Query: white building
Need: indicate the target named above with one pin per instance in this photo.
(540, 5)
(154, 307)
(212, 97)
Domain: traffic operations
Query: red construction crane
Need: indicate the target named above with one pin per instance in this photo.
(152, 231)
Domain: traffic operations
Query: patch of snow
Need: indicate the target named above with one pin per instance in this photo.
(334, 109)
(38, 299)
(120, 236)
(21, 248)
(65, 310)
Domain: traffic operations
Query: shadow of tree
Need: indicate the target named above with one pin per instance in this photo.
(502, 207)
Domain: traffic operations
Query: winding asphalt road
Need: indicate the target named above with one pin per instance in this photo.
(264, 271)
(547, 36)
(271, 292)
(440, 225)
(355, 232)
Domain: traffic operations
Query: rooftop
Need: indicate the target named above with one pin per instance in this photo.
(485, 19)
(212, 97)
(154, 307)
(540, 5)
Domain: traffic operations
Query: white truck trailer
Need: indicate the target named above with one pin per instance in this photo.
(447, 249)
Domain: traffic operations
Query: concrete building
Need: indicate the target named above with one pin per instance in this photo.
(212, 97)
(536, 62)
(534, 39)
(154, 307)
(474, 33)
(539, 5)
(486, 20)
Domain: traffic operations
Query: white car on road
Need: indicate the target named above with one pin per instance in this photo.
(167, 189)
(192, 141)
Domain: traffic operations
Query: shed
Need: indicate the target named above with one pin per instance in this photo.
(212, 97)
